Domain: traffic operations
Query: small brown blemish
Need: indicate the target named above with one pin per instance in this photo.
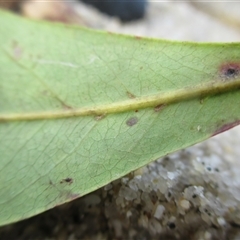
(138, 37)
(159, 107)
(230, 70)
(66, 107)
(67, 180)
(136, 110)
(226, 127)
(132, 121)
(2, 120)
(99, 117)
(130, 95)
(141, 67)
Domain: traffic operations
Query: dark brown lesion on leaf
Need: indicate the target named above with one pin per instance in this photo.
(67, 180)
(230, 70)
(132, 121)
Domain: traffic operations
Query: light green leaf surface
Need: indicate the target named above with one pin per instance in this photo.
(80, 108)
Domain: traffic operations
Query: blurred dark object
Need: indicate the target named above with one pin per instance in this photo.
(10, 4)
(126, 10)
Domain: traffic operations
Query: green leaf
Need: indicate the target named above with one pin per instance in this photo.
(80, 108)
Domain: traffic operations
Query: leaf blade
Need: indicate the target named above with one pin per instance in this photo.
(48, 161)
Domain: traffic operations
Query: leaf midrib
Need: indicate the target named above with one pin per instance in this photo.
(215, 87)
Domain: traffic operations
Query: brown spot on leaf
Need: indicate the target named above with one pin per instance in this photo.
(45, 93)
(138, 37)
(132, 121)
(130, 95)
(141, 68)
(226, 127)
(2, 120)
(136, 110)
(66, 107)
(67, 180)
(99, 117)
(159, 107)
(230, 70)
